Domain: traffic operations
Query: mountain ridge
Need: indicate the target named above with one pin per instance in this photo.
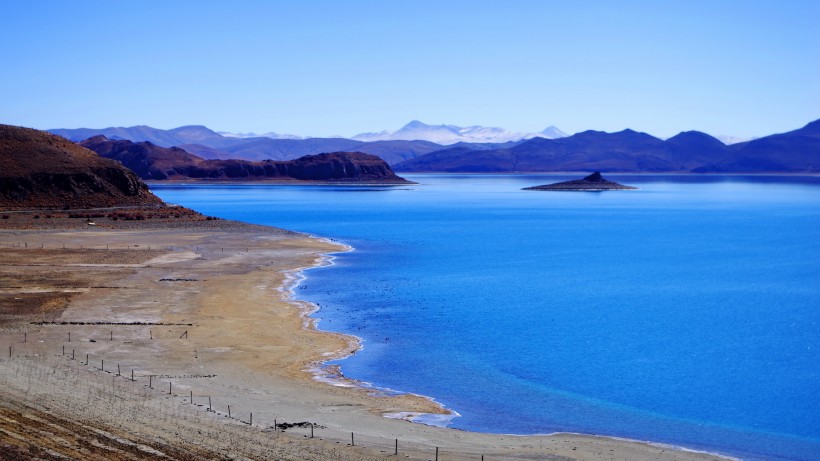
(627, 150)
(797, 151)
(209, 144)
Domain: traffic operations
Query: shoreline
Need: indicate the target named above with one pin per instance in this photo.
(332, 375)
(321, 374)
(249, 347)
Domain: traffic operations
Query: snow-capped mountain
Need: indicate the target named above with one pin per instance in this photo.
(451, 134)
(269, 134)
(728, 140)
(551, 132)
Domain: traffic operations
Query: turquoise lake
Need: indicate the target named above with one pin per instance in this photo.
(686, 313)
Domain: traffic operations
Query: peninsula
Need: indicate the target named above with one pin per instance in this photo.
(156, 163)
(593, 182)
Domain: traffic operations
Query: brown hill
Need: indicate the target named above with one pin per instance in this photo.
(150, 161)
(39, 169)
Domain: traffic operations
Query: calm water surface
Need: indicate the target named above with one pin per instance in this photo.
(687, 312)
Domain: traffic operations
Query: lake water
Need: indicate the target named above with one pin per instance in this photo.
(686, 313)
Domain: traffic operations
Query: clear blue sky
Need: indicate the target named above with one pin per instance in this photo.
(744, 68)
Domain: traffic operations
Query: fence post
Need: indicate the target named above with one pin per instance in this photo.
(397, 447)
(352, 442)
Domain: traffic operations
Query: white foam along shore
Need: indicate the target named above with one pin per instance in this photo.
(332, 375)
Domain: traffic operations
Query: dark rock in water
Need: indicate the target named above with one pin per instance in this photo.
(595, 177)
(593, 182)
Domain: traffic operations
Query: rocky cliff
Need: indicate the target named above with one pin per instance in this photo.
(39, 169)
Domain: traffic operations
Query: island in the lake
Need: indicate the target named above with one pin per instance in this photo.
(593, 182)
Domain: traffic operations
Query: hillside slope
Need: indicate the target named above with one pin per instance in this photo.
(39, 169)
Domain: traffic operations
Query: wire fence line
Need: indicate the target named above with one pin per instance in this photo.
(40, 245)
(143, 403)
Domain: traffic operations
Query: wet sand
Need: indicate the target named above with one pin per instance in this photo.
(206, 311)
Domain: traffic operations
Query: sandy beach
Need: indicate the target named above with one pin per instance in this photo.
(202, 311)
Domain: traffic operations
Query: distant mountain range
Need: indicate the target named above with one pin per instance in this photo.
(209, 144)
(630, 151)
(551, 150)
(269, 134)
(451, 134)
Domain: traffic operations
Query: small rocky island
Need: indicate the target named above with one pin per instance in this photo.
(593, 182)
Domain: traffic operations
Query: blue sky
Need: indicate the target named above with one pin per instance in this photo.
(744, 68)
